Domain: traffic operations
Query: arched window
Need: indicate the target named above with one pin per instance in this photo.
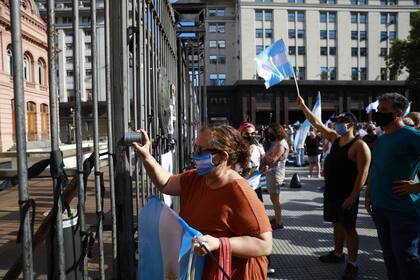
(26, 68)
(40, 72)
(44, 121)
(9, 61)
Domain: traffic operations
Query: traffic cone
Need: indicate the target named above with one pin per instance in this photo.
(295, 182)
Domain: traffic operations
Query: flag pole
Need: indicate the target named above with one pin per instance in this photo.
(297, 87)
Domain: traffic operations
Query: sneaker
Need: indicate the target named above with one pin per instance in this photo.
(318, 176)
(332, 258)
(275, 225)
(309, 176)
(350, 273)
(271, 270)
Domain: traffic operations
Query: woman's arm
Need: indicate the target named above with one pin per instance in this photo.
(277, 153)
(242, 246)
(162, 179)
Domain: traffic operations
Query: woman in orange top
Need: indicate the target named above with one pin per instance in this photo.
(218, 202)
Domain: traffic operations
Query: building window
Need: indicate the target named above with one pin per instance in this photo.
(292, 50)
(323, 50)
(363, 73)
(259, 49)
(41, 78)
(354, 51)
(296, 1)
(363, 51)
(323, 16)
(300, 16)
(26, 68)
(332, 34)
(301, 33)
(384, 75)
(392, 35)
(69, 73)
(9, 61)
(332, 17)
(268, 15)
(217, 27)
(416, 2)
(88, 46)
(222, 44)
(221, 59)
(363, 35)
(88, 72)
(353, 17)
(323, 34)
(69, 46)
(354, 73)
(259, 32)
(392, 18)
(88, 32)
(217, 79)
(324, 73)
(69, 59)
(383, 18)
(384, 36)
(212, 44)
(259, 15)
(213, 59)
(327, 1)
(362, 18)
(292, 33)
(333, 50)
(333, 73)
(358, 2)
(383, 52)
(389, 2)
(354, 35)
(88, 59)
(302, 73)
(268, 33)
(216, 12)
(291, 16)
(301, 50)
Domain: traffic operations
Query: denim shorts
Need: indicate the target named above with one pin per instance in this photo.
(275, 178)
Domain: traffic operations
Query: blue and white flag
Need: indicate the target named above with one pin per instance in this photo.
(273, 64)
(254, 180)
(372, 107)
(303, 131)
(165, 245)
(407, 111)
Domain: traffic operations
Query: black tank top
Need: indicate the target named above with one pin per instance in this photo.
(340, 172)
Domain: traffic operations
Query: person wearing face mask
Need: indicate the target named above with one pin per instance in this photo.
(393, 193)
(274, 166)
(218, 202)
(345, 174)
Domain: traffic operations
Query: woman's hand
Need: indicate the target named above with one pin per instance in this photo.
(211, 243)
(143, 150)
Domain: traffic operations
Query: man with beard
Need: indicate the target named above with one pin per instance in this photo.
(345, 174)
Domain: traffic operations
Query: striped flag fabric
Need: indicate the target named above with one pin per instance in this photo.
(273, 64)
(304, 128)
(372, 107)
(165, 245)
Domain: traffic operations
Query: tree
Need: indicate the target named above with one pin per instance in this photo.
(405, 54)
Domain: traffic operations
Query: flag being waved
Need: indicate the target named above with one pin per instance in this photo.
(304, 128)
(165, 245)
(273, 64)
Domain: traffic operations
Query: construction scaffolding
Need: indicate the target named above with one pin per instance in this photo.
(155, 80)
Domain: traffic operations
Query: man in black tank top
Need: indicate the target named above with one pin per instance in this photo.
(345, 174)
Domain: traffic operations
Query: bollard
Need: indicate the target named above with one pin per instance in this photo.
(72, 249)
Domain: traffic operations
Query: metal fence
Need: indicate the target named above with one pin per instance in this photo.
(150, 84)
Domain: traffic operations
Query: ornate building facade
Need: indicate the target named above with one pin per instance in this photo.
(34, 46)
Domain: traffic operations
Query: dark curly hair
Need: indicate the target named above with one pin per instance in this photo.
(226, 138)
(278, 130)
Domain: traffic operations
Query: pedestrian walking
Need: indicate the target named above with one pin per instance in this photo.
(345, 174)
(393, 193)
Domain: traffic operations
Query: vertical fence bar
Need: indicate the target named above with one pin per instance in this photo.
(21, 138)
(98, 191)
(110, 131)
(123, 187)
(78, 113)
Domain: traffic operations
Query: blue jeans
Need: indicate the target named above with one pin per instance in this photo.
(300, 156)
(398, 235)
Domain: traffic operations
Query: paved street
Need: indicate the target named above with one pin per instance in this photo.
(306, 236)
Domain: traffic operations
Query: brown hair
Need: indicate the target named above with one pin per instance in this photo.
(278, 131)
(228, 139)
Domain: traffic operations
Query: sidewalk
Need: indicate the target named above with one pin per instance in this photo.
(306, 236)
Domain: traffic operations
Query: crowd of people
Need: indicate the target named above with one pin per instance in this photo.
(222, 196)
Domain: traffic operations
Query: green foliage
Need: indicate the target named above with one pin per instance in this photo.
(405, 54)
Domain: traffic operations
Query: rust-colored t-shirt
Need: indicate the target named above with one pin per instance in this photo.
(230, 210)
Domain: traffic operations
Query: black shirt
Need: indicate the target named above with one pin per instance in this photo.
(312, 145)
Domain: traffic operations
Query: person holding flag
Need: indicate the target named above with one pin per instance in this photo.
(345, 174)
(218, 202)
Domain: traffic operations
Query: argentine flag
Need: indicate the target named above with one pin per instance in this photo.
(165, 245)
(304, 128)
(273, 64)
(372, 107)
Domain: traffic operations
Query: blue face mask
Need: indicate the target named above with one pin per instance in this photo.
(341, 128)
(204, 163)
